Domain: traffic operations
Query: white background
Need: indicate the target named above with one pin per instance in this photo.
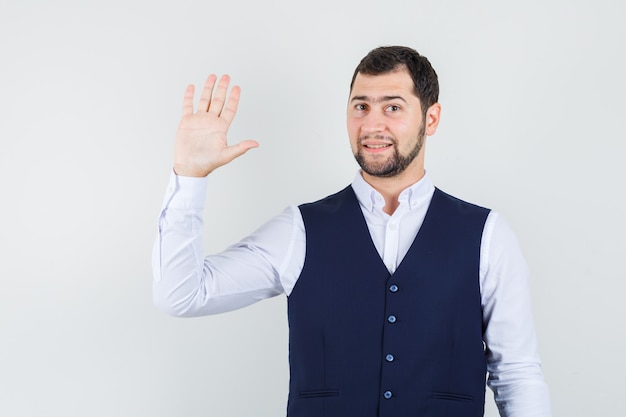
(90, 92)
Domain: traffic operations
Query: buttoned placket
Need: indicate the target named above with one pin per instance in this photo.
(391, 260)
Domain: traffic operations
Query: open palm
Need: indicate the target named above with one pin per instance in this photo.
(201, 139)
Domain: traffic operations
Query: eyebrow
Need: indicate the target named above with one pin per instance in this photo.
(377, 99)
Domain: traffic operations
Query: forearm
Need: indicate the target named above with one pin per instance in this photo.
(187, 283)
(514, 367)
(521, 391)
(179, 286)
(177, 259)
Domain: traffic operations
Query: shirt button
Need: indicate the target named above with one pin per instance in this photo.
(387, 394)
(389, 358)
(393, 288)
(391, 319)
(393, 226)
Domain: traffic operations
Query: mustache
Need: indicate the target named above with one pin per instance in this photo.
(377, 137)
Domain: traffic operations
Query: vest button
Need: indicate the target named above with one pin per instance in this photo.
(387, 394)
(393, 288)
(389, 358)
(391, 319)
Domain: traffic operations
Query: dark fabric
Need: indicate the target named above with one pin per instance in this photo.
(347, 314)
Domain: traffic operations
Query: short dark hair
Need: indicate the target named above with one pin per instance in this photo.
(385, 59)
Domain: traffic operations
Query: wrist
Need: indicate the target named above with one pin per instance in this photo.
(182, 170)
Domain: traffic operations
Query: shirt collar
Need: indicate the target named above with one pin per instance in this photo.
(413, 196)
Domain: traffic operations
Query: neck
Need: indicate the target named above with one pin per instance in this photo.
(391, 187)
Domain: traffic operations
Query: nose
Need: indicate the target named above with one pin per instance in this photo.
(372, 123)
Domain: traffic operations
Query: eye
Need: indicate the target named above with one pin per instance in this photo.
(360, 107)
(392, 108)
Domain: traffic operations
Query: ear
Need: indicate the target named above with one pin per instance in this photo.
(432, 119)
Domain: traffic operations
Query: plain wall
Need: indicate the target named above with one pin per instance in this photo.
(90, 94)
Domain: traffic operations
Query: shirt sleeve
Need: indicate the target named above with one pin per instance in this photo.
(513, 364)
(187, 283)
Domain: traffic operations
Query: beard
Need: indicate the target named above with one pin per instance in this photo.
(394, 164)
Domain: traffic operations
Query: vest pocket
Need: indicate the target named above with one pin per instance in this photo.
(450, 396)
(319, 393)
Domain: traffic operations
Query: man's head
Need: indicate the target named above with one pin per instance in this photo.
(392, 107)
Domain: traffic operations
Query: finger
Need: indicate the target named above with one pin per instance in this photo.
(188, 100)
(233, 151)
(230, 109)
(207, 91)
(217, 103)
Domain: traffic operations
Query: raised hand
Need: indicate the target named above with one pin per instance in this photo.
(201, 144)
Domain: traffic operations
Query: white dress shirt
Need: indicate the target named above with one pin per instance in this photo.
(269, 261)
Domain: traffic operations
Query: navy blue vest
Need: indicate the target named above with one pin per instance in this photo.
(365, 343)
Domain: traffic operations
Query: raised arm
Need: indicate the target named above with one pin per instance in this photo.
(187, 282)
(201, 139)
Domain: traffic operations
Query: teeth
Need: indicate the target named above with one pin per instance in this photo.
(376, 146)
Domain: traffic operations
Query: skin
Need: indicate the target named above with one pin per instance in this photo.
(201, 143)
(384, 121)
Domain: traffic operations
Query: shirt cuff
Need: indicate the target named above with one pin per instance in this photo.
(186, 192)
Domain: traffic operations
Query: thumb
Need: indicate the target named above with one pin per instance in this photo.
(236, 150)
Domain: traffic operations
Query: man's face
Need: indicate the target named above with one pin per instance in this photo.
(385, 124)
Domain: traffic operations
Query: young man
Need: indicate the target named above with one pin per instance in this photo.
(408, 297)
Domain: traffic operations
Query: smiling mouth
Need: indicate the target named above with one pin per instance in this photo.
(377, 146)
